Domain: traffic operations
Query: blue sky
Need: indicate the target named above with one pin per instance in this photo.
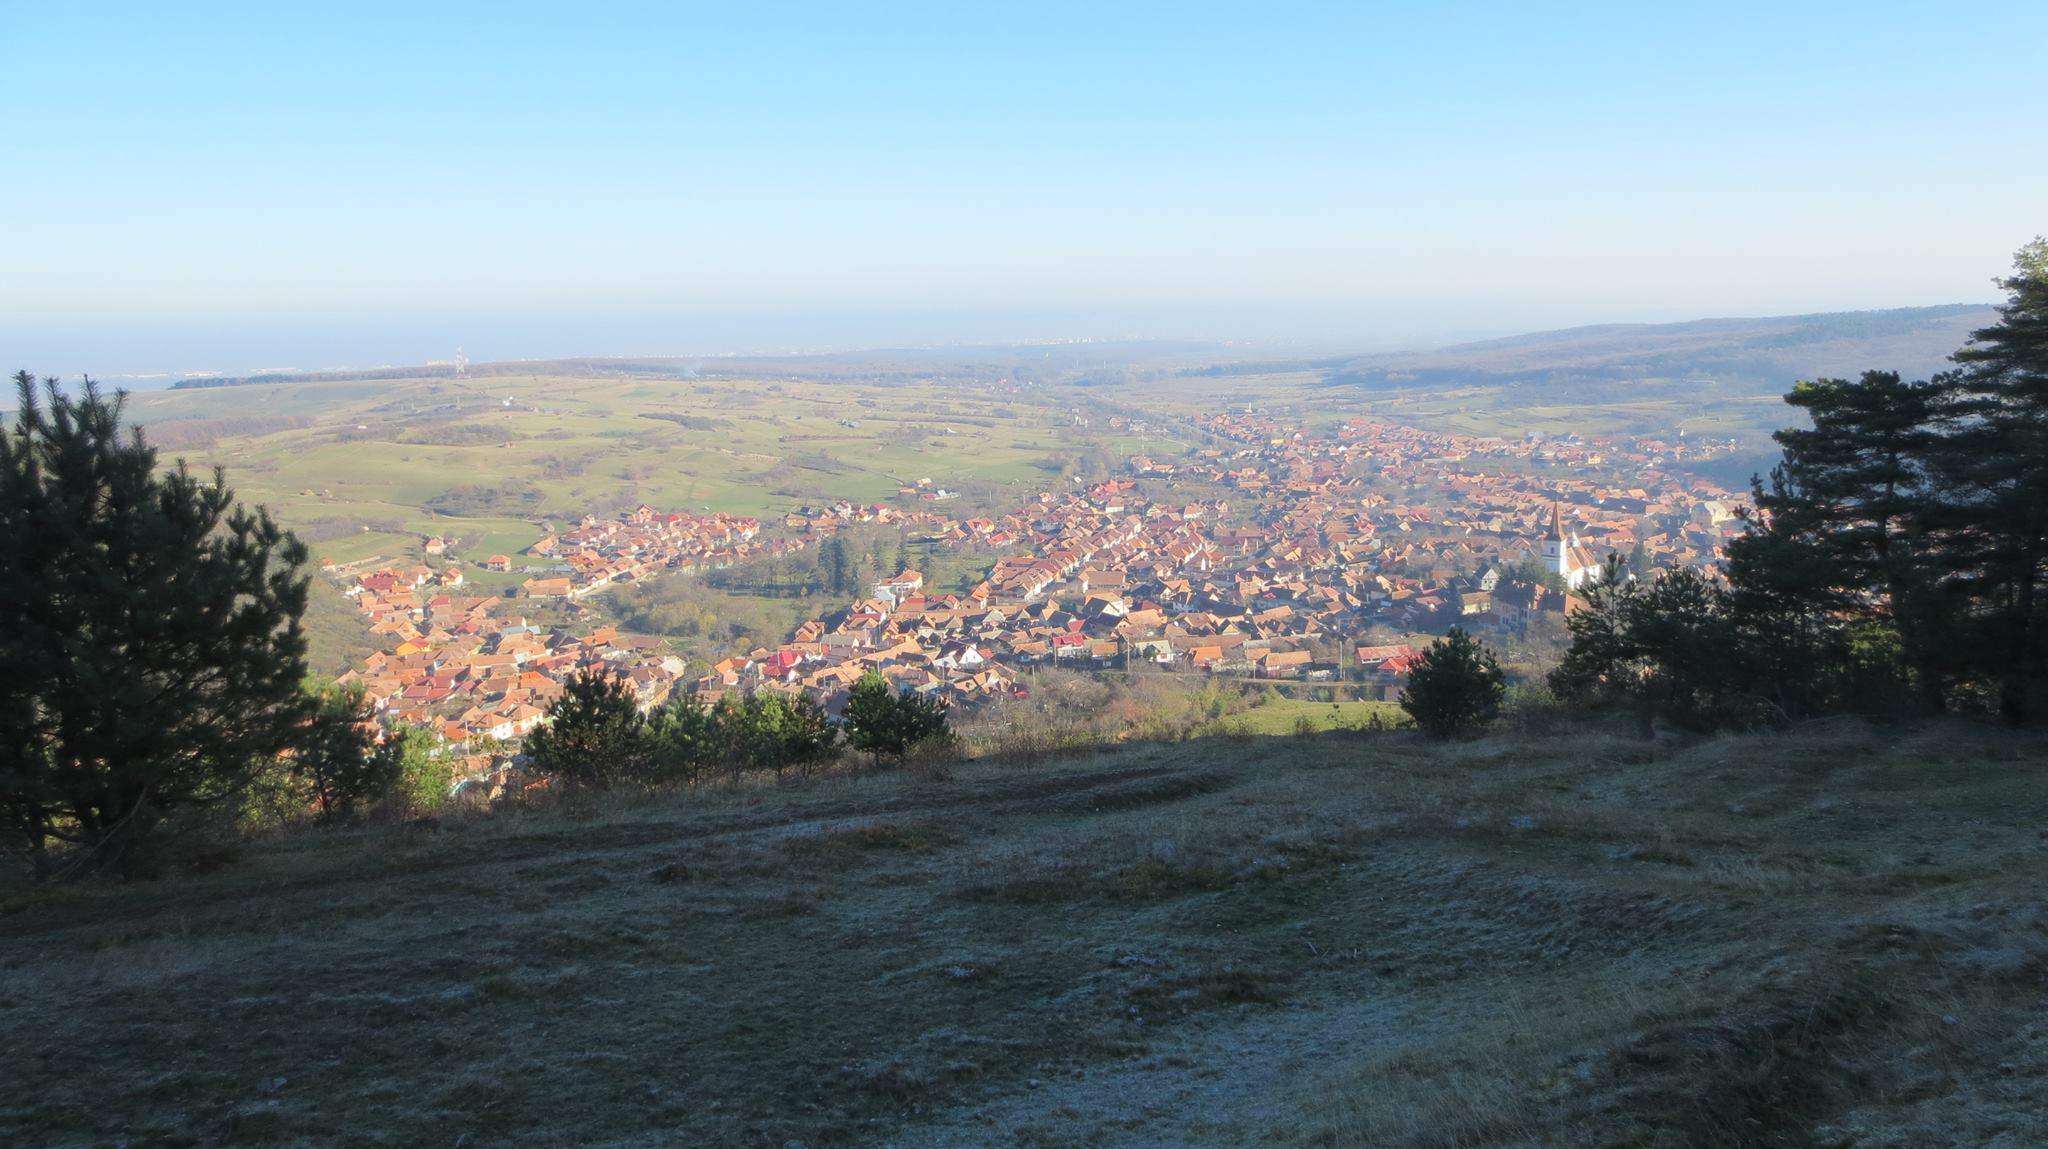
(226, 187)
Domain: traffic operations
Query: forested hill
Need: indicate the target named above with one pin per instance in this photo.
(1754, 355)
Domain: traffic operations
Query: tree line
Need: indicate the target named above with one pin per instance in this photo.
(597, 737)
(1893, 562)
(844, 564)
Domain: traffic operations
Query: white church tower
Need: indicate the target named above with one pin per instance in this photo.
(1565, 554)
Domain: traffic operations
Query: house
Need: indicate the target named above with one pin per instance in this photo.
(959, 656)
(546, 588)
(1284, 663)
(901, 587)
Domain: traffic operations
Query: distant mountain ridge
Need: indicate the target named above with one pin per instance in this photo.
(1732, 356)
(1066, 358)
(1737, 354)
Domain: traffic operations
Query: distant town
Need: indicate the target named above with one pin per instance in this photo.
(1290, 554)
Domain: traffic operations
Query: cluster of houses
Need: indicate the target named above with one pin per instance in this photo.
(1337, 537)
(451, 666)
(814, 522)
(599, 553)
(1477, 498)
(1287, 553)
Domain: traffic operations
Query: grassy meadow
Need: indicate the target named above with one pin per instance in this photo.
(1276, 715)
(1834, 936)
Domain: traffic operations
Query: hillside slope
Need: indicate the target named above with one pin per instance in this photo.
(1749, 355)
(1832, 937)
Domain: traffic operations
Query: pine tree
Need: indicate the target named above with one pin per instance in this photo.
(1455, 687)
(595, 735)
(340, 760)
(1855, 475)
(1788, 602)
(683, 738)
(150, 649)
(808, 735)
(757, 733)
(1838, 532)
(1679, 624)
(762, 731)
(869, 716)
(1639, 564)
(1667, 646)
(1602, 664)
(1990, 523)
(888, 724)
(835, 564)
(425, 775)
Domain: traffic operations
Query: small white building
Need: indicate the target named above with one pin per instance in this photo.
(1565, 554)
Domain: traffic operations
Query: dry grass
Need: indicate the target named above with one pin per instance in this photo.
(1830, 937)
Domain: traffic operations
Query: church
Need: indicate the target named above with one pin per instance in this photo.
(1565, 554)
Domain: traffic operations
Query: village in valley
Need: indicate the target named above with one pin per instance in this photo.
(1279, 552)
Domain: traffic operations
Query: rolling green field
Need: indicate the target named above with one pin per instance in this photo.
(1284, 715)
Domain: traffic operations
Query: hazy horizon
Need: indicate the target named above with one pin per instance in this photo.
(230, 189)
(298, 348)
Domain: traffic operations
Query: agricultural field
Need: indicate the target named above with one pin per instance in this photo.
(1508, 411)
(369, 468)
(1511, 410)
